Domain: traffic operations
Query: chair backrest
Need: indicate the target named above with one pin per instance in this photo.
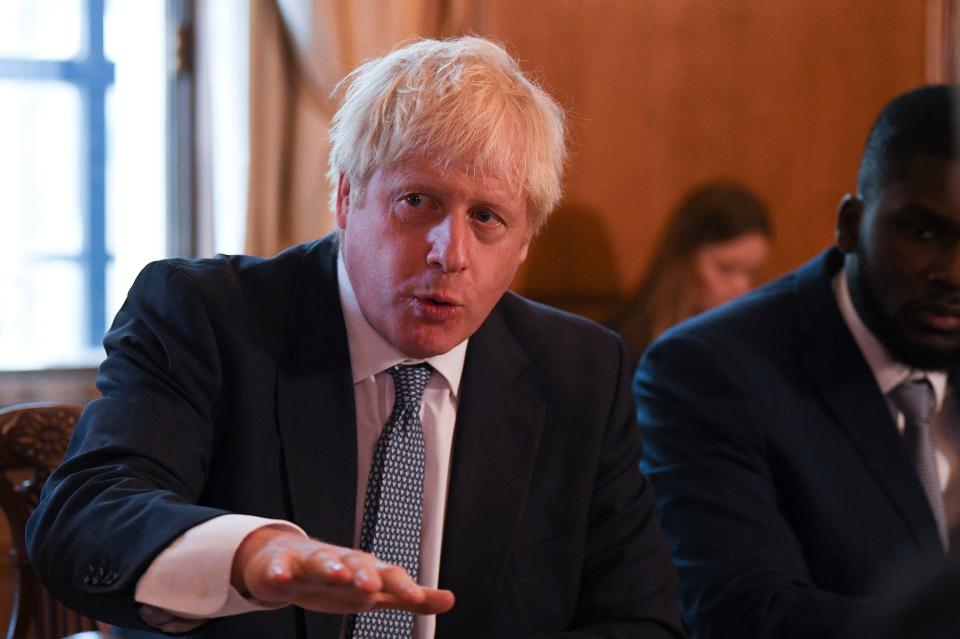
(33, 439)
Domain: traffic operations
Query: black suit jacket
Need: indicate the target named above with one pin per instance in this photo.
(783, 485)
(919, 604)
(227, 388)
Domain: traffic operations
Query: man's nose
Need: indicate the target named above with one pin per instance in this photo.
(946, 270)
(449, 244)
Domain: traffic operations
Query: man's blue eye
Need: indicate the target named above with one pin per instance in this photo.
(485, 215)
(414, 199)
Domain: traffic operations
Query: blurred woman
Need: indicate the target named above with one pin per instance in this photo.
(711, 251)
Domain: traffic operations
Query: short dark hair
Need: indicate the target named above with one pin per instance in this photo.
(923, 121)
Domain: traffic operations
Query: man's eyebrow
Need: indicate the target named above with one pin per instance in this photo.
(417, 185)
(492, 198)
(404, 184)
(930, 213)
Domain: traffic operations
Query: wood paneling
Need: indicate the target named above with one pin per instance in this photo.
(663, 94)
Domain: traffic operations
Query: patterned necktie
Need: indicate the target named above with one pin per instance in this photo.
(915, 400)
(394, 502)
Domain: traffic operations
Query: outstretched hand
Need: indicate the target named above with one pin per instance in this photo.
(279, 566)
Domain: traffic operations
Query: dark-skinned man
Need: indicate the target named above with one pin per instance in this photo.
(803, 440)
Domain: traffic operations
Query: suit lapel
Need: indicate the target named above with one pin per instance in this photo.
(499, 421)
(316, 414)
(846, 383)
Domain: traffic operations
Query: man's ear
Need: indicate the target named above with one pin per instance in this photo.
(343, 201)
(849, 215)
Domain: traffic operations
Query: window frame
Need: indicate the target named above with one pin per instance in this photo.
(92, 75)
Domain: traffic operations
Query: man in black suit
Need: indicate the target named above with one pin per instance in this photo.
(248, 438)
(790, 471)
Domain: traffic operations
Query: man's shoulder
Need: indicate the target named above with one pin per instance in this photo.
(554, 341)
(772, 327)
(284, 265)
(238, 295)
(246, 275)
(795, 300)
(536, 321)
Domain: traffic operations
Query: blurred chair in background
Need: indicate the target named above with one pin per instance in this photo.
(711, 251)
(33, 439)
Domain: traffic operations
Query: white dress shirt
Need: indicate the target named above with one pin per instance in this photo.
(945, 424)
(191, 577)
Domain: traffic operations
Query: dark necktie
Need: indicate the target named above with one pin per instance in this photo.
(394, 502)
(915, 399)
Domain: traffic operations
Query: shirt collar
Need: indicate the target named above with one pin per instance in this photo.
(888, 372)
(371, 353)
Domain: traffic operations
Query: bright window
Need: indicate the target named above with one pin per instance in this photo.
(82, 170)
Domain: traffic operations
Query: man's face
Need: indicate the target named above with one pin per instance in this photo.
(904, 262)
(430, 251)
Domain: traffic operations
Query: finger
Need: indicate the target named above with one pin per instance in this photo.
(270, 581)
(434, 602)
(397, 582)
(288, 573)
(280, 570)
(324, 566)
(366, 577)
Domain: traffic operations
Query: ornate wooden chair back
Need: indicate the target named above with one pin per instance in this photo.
(33, 440)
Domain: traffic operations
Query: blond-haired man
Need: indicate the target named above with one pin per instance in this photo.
(249, 452)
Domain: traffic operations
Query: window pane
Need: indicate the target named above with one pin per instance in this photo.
(227, 42)
(102, 116)
(39, 169)
(39, 320)
(136, 142)
(45, 29)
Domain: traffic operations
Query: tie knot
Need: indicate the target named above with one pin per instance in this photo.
(915, 400)
(409, 383)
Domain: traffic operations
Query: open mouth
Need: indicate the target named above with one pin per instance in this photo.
(940, 322)
(944, 318)
(436, 298)
(437, 308)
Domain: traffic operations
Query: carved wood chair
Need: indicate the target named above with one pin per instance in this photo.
(33, 439)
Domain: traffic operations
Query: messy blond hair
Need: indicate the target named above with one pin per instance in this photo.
(462, 102)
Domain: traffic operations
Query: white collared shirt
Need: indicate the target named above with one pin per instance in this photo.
(890, 373)
(191, 577)
(370, 357)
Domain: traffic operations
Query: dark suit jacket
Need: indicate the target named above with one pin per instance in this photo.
(920, 604)
(783, 485)
(227, 388)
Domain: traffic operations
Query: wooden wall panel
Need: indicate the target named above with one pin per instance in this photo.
(663, 94)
